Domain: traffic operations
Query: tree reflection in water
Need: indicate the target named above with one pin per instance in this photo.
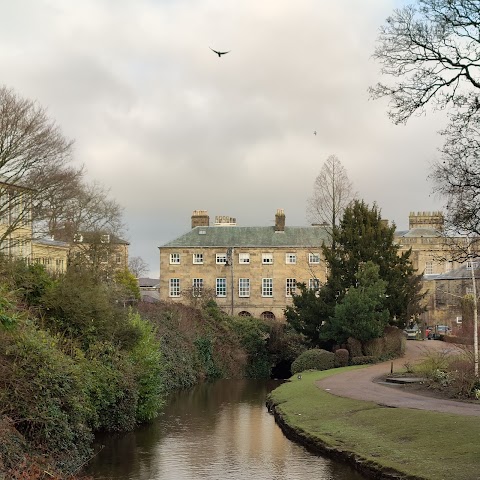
(218, 430)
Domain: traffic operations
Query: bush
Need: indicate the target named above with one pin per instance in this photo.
(363, 360)
(394, 342)
(43, 393)
(253, 335)
(148, 368)
(341, 357)
(374, 347)
(111, 387)
(354, 346)
(314, 359)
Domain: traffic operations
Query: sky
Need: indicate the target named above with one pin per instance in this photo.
(169, 127)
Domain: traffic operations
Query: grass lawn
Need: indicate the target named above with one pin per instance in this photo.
(424, 444)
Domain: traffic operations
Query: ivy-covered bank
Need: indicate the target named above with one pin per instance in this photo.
(74, 361)
(384, 443)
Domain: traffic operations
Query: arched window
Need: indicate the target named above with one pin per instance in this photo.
(244, 314)
(267, 316)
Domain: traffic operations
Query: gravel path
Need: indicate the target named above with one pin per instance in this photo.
(360, 384)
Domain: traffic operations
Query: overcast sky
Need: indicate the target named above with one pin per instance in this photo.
(170, 127)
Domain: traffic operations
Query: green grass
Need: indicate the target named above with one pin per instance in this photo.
(421, 443)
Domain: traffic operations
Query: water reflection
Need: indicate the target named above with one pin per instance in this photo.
(214, 431)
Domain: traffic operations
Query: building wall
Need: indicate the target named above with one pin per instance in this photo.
(255, 271)
(53, 258)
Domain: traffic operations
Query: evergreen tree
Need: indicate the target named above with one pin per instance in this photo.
(362, 236)
(362, 313)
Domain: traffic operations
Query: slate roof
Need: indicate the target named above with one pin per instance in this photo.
(148, 282)
(252, 237)
(50, 242)
(419, 232)
(460, 273)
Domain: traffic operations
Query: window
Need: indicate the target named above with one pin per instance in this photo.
(174, 258)
(314, 258)
(221, 258)
(267, 287)
(290, 258)
(221, 287)
(313, 283)
(469, 290)
(243, 287)
(118, 258)
(267, 316)
(174, 290)
(290, 286)
(243, 258)
(59, 264)
(470, 264)
(428, 268)
(198, 258)
(197, 287)
(105, 238)
(267, 258)
(78, 238)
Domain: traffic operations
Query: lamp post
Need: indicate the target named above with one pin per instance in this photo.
(230, 252)
(475, 313)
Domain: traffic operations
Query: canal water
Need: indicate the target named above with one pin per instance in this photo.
(218, 430)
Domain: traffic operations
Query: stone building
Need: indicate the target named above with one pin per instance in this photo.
(250, 271)
(253, 270)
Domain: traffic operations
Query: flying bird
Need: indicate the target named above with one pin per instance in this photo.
(218, 53)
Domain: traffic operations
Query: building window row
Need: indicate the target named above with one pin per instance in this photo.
(244, 287)
(244, 258)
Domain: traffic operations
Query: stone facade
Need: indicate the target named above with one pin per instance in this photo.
(248, 270)
(294, 254)
(53, 255)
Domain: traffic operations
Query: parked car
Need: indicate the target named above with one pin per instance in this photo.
(412, 333)
(439, 331)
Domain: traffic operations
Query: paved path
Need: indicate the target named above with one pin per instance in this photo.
(360, 384)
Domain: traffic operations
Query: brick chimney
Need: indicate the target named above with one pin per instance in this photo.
(200, 218)
(280, 220)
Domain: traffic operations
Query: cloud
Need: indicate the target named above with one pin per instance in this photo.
(170, 127)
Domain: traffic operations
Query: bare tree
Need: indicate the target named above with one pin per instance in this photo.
(138, 266)
(332, 192)
(30, 145)
(88, 209)
(432, 52)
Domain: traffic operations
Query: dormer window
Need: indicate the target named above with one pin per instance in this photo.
(78, 238)
(105, 238)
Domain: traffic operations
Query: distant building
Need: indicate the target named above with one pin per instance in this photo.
(251, 271)
(254, 270)
(149, 289)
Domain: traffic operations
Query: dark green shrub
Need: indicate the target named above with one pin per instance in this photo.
(147, 360)
(43, 393)
(341, 357)
(314, 359)
(363, 360)
(111, 387)
(253, 335)
(354, 346)
(205, 354)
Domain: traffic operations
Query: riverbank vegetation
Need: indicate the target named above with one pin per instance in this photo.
(74, 360)
(419, 444)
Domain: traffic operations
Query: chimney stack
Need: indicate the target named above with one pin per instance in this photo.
(200, 218)
(280, 220)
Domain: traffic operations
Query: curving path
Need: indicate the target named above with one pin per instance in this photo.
(360, 384)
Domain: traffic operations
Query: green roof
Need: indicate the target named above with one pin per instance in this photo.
(252, 237)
